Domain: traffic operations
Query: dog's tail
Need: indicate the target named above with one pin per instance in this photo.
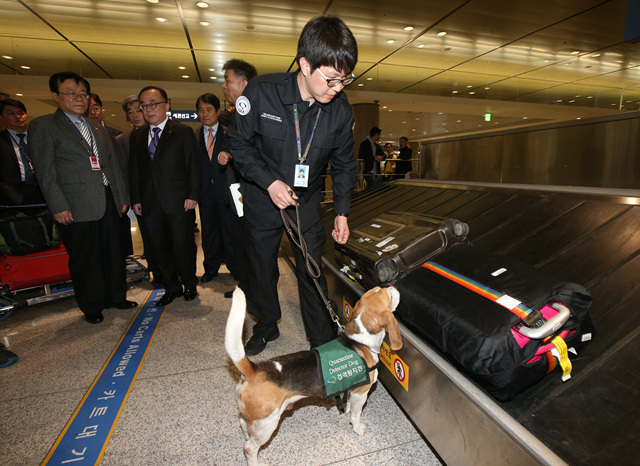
(233, 333)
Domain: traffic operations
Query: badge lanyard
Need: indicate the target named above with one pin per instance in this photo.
(301, 177)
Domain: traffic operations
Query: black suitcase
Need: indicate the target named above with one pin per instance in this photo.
(391, 244)
(460, 299)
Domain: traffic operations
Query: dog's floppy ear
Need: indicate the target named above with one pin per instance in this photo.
(390, 324)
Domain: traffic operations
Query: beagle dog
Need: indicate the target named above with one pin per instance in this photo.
(266, 389)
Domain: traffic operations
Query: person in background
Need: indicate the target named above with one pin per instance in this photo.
(96, 112)
(78, 172)
(283, 122)
(403, 164)
(237, 74)
(18, 183)
(372, 154)
(214, 212)
(166, 182)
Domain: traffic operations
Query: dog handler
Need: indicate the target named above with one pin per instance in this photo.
(287, 124)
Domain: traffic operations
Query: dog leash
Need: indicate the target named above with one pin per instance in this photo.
(313, 269)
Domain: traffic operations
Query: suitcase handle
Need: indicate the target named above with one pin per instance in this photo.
(550, 326)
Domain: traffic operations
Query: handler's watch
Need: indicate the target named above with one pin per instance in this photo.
(342, 215)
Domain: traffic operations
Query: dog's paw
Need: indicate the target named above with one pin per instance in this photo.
(360, 428)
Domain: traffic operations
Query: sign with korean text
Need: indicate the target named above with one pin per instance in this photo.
(184, 115)
(396, 365)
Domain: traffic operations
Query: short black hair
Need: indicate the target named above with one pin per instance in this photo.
(327, 41)
(209, 98)
(241, 68)
(56, 79)
(373, 131)
(96, 99)
(406, 139)
(129, 100)
(13, 103)
(162, 92)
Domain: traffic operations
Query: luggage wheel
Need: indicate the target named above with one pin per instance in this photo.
(551, 326)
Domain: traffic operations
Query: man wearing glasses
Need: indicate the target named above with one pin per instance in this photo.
(165, 185)
(286, 124)
(76, 166)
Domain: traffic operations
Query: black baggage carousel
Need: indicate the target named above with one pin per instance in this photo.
(587, 236)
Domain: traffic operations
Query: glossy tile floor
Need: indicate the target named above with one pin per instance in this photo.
(181, 409)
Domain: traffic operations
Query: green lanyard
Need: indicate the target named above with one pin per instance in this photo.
(302, 158)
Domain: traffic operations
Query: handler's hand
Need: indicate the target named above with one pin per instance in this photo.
(190, 204)
(279, 193)
(65, 217)
(340, 231)
(124, 209)
(137, 208)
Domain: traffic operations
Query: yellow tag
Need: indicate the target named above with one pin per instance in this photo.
(347, 310)
(562, 354)
(395, 365)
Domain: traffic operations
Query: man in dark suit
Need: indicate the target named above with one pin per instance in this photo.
(165, 184)
(79, 175)
(214, 214)
(96, 112)
(403, 165)
(372, 154)
(18, 184)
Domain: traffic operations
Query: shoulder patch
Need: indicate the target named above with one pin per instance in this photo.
(243, 106)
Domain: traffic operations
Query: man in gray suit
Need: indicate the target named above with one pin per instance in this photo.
(76, 166)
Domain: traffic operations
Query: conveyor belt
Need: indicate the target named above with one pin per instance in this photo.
(590, 238)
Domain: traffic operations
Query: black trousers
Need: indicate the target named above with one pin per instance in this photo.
(173, 246)
(96, 259)
(263, 303)
(215, 234)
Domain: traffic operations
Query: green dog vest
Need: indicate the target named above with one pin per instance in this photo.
(341, 369)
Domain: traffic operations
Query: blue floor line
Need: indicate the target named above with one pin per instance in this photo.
(86, 435)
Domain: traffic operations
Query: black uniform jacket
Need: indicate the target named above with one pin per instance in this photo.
(263, 143)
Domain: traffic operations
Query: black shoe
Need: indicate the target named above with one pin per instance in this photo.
(168, 298)
(190, 294)
(7, 357)
(208, 276)
(94, 318)
(258, 342)
(228, 294)
(126, 304)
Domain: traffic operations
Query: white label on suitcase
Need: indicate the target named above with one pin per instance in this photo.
(507, 301)
(385, 242)
(499, 272)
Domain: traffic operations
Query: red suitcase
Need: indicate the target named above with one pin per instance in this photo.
(32, 270)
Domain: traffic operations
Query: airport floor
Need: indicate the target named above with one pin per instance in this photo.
(181, 408)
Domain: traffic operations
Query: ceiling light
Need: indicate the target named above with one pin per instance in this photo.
(182, 67)
(408, 28)
(454, 92)
(202, 5)
(161, 20)
(596, 55)
(469, 87)
(153, 1)
(185, 76)
(390, 41)
(472, 92)
(487, 88)
(360, 85)
(420, 46)
(369, 79)
(25, 67)
(7, 57)
(213, 77)
(525, 118)
(19, 95)
(384, 106)
(441, 33)
(575, 52)
(205, 23)
(212, 69)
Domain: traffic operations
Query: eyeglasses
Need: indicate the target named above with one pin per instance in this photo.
(335, 81)
(74, 95)
(151, 105)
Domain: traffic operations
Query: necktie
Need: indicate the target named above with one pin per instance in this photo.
(86, 135)
(210, 143)
(154, 142)
(29, 177)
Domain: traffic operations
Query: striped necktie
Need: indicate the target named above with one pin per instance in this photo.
(211, 140)
(88, 137)
(153, 145)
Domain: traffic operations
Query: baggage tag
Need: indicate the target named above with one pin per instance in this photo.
(302, 176)
(95, 164)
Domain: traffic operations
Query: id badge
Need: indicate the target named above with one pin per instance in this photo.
(302, 176)
(95, 165)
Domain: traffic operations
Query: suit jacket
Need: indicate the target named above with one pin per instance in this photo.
(11, 185)
(174, 174)
(214, 183)
(63, 167)
(365, 152)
